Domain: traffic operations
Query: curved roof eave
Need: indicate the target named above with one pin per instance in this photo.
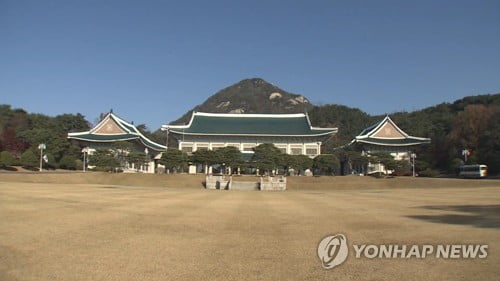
(394, 144)
(109, 140)
(152, 145)
(127, 127)
(252, 135)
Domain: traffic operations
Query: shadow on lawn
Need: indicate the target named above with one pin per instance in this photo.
(483, 216)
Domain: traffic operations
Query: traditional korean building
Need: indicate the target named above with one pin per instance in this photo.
(113, 129)
(386, 136)
(291, 133)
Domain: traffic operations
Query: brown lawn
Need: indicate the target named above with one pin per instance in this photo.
(161, 227)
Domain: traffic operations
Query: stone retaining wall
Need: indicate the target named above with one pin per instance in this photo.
(265, 183)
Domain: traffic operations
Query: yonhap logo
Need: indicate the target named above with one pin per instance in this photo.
(333, 250)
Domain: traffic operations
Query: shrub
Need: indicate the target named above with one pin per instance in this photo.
(79, 164)
(326, 164)
(6, 158)
(402, 168)
(29, 159)
(104, 160)
(67, 162)
(429, 173)
(51, 163)
(378, 175)
(455, 164)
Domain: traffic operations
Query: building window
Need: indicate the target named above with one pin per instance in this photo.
(296, 150)
(281, 147)
(187, 148)
(203, 146)
(311, 151)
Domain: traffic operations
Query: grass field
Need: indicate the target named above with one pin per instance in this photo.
(151, 227)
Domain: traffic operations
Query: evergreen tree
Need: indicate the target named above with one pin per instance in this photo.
(326, 164)
(104, 160)
(266, 157)
(229, 157)
(67, 162)
(302, 162)
(6, 158)
(136, 158)
(174, 160)
(29, 159)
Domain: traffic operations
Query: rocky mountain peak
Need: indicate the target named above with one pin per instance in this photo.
(254, 95)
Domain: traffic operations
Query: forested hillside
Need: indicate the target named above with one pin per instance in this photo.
(471, 123)
(21, 133)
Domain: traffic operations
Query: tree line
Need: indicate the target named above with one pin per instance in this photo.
(470, 124)
(22, 132)
(267, 159)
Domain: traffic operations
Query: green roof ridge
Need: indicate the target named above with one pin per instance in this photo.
(249, 124)
(132, 133)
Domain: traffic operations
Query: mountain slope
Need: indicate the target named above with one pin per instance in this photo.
(251, 96)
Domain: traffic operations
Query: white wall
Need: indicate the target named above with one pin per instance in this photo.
(289, 147)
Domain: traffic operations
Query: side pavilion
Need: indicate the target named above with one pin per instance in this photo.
(386, 136)
(113, 129)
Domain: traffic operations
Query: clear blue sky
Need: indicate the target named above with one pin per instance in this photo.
(151, 61)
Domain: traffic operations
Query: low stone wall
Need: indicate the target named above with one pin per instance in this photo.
(245, 185)
(217, 182)
(265, 183)
(273, 184)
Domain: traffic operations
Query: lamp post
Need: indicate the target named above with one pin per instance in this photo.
(166, 144)
(465, 153)
(41, 146)
(413, 156)
(85, 151)
(146, 151)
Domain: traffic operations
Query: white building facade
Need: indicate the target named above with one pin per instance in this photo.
(291, 133)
